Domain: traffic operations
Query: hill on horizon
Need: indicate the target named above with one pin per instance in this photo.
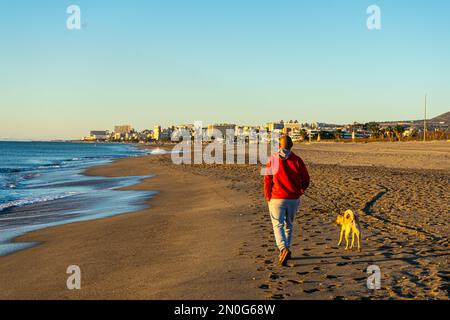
(445, 117)
(442, 119)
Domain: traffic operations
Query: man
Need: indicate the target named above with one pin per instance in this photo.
(286, 179)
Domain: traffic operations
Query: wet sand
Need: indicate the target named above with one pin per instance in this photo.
(208, 235)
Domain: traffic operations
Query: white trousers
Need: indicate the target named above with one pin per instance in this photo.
(282, 213)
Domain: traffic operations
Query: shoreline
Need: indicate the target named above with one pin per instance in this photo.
(207, 235)
(70, 198)
(56, 241)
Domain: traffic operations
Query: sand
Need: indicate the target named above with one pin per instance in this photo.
(207, 234)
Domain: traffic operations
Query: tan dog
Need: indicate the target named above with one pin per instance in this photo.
(350, 223)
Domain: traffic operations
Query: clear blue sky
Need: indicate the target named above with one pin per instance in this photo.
(241, 61)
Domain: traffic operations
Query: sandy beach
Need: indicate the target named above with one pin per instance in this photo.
(207, 233)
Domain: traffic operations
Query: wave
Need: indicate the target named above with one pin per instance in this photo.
(17, 179)
(49, 166)
(60, 163)
(28, 201)
(158, 151)
(11, 170)
(31, 175)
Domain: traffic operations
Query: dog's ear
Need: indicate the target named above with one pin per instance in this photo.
(348, 215)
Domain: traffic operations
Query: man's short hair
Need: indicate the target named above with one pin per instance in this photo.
(286, 142)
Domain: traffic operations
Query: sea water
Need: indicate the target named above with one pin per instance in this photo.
(42, 185)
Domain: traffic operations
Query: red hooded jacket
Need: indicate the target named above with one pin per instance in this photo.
(285, 178)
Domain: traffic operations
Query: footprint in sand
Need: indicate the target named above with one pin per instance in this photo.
(290, 265)
(261, 269)
(360, 279)
(444, 275)
(274, 276)
(310, 290)
(331, 287)
(295, 281)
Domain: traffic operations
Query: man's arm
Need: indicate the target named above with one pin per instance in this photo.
(304, 176)
(268, 182)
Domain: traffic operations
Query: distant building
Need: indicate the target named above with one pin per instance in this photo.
(100, 134)
(122, 129)
(97, 135)
(188, 127)
(291, 127)
(246, 130)
(156, 132)
(165, 134)
(222, 128)
(118, 136)
(273, 126)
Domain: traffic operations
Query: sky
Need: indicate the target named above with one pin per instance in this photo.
(237, 61)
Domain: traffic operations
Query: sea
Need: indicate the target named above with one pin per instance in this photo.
(42, 185)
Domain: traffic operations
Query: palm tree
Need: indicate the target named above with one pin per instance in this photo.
(398, 130)
(382, 133)
(374, 129)
(304, 134)
(338, 134)
(390, 133)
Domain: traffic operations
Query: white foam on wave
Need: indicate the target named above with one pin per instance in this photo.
(158, 151)
(28, 201)
(49, 166)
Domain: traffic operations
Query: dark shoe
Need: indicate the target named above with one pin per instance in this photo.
(283, 257)
(289, 255)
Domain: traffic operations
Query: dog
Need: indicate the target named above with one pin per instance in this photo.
(349, 223)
